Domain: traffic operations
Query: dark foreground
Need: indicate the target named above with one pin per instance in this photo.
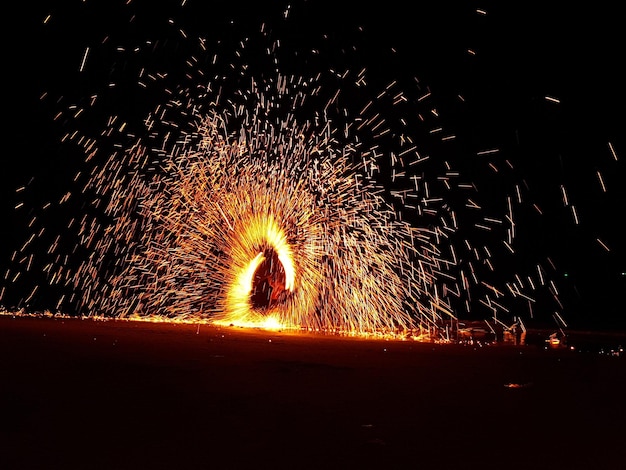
(82, 394)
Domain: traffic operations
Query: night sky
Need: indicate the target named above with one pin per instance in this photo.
(542, 83)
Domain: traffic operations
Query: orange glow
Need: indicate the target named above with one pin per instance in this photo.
(255, 235)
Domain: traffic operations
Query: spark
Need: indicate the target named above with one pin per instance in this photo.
(487, 152)
(233, 202)
(84, 60)
(564, 195)
(613, 152)
(575, 215)
(601, 180)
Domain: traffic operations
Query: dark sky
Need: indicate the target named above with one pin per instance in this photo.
(542, 82)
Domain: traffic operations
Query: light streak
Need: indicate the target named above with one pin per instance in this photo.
(603, 245)
(84, 60)
(575, 215)
(613, 152)
(601, 180)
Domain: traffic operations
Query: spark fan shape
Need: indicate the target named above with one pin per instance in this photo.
(270, 204)
(223, 198)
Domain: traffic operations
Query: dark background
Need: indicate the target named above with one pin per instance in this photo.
(523, 53)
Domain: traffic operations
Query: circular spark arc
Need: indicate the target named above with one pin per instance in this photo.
(254, 233)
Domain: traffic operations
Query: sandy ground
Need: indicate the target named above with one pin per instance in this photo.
(128, 395)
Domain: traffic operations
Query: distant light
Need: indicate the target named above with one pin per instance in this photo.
(567, 274)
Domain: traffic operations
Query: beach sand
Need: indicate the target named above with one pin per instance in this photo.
(86, 394)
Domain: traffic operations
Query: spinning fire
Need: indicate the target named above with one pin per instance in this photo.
(282, 201)
(268, 224)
